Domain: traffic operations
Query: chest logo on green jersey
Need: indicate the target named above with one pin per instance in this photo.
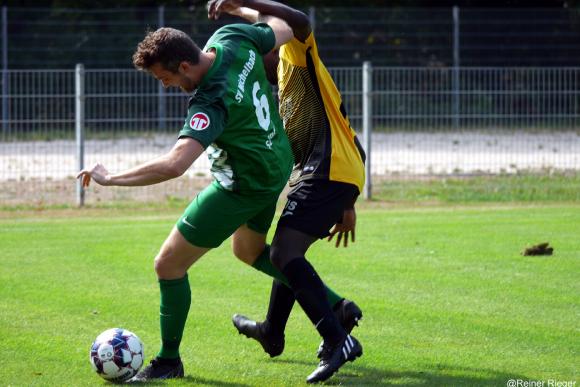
(199, 121)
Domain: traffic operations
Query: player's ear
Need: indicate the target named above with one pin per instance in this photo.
(184, 67)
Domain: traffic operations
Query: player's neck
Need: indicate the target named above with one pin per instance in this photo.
(206, 60)
(197, 72)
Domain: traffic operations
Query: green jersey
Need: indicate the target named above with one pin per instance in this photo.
(233, 114)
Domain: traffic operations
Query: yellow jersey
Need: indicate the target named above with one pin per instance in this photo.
(323, 143)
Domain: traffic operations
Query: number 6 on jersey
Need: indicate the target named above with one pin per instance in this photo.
(262, 107)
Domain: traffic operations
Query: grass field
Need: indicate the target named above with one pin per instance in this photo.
(447, 298)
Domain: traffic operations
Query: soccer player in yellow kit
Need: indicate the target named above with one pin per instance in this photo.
(327, 178)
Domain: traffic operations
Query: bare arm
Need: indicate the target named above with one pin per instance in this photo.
(282, 31)
(255, 10)
(168, 166)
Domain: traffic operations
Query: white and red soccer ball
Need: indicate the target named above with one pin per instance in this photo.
(117, 354)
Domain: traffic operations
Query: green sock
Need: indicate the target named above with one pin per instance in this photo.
(175, 302)
(264, 265)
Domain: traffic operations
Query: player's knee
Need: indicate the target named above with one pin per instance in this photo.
(160, 266)
(240, 252)
(165, 269)
(279, 257)
(246, 253)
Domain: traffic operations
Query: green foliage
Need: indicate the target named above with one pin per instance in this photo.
(447, 298)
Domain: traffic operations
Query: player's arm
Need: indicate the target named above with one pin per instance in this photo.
(282, 31)
(259, 10)
(169, 166)
(345, 226)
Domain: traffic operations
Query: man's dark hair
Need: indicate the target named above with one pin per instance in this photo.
(166, 46)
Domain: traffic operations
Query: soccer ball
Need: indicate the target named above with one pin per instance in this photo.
(117, 354)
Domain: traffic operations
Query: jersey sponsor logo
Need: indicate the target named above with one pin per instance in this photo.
(243, 75)
(184, 220)
(199, 121)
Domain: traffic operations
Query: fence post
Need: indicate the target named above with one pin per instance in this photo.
(5, 110)
(367, 77)
(79, 127)
(456, 64)
(161, 94)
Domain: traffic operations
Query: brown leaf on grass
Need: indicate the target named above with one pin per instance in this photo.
(539, 249)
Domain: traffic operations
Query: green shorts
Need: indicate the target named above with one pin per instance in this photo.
(216, 213)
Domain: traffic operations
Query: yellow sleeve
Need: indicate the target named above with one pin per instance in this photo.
(294, 51)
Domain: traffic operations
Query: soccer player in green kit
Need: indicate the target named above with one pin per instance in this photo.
(231, 116)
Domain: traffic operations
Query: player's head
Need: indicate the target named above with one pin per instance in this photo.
(271, 60)
(168, 54)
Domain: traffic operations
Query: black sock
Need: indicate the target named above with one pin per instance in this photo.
(281, 303)
(309, 291)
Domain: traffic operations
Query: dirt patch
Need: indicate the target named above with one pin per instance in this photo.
(41, 173)
(36, 193)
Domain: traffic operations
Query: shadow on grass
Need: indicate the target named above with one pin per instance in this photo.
(199, 381)
(193, 380)
(432, 375)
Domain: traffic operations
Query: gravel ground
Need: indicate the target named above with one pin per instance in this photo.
(51, 166)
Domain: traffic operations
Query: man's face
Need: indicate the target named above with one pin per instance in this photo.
(170, 79)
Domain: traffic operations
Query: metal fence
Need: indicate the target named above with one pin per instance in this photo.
(424, 121)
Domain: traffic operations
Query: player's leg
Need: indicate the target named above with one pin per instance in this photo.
(313, 207)
(176, 256)
(209, 219)
(247, 242)
(250, 247)
(171, 264)
(270, 333)
(288, 254)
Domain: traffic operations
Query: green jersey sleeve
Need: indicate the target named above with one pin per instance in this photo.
(263, 37)
(204, 123)
(259, 34)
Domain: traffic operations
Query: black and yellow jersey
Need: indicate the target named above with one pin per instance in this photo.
(323, 143)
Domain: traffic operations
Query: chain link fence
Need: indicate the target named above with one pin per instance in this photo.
(425, 122)
(387, 36)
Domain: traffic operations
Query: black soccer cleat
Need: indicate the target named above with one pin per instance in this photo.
(332, 358)
(348, 315)
(273, 345)
(160, 369)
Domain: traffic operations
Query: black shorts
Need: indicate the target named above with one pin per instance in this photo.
(314, 206)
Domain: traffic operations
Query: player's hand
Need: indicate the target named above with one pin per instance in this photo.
(98, 173)
(344, 228)
(216, 7)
